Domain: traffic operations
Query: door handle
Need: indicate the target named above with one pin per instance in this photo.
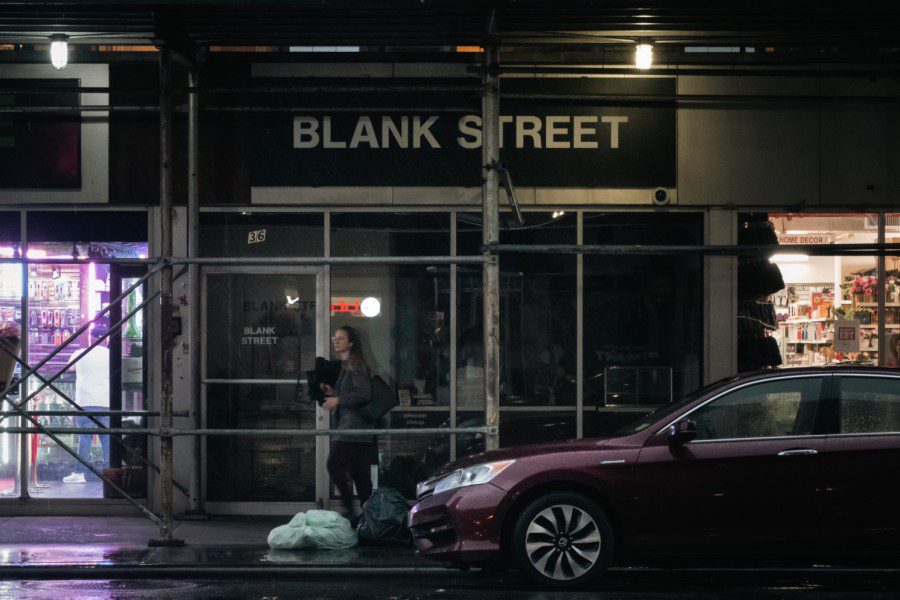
(798, 452)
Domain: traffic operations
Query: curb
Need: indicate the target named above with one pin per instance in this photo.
(244, 572)
(195, 571)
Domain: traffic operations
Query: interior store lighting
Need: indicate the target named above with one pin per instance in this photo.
(789, 258)
(370, 307)
(643, 56)
(59, 51)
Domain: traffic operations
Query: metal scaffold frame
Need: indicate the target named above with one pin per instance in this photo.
(161, 271)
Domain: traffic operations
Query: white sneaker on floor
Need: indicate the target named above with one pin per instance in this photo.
(74, 478)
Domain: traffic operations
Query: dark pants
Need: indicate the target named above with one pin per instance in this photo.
(350, 462)
(86, 440)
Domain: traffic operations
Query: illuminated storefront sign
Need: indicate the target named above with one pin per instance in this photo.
(547, 143)
(806, 239)
(355, 306)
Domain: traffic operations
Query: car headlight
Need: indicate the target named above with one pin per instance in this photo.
(473, 475)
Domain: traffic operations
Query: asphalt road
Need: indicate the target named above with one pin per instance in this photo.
(680, 585)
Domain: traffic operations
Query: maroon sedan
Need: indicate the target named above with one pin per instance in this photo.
(793, 460)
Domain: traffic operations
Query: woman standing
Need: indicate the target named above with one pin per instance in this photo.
(351, 456)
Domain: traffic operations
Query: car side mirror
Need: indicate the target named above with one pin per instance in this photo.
(682, 432)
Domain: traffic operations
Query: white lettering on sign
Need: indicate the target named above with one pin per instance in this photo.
(364, 134)
(259, 336)
(256, 237)
(470, 128)
(527, 131)
(582, 131)
(806, 239)
(259, 331)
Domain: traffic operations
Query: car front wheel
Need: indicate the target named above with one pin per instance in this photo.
(563, 539)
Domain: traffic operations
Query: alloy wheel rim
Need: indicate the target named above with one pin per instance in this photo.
(563, 542)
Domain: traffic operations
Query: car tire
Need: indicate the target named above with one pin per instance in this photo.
(562, 540)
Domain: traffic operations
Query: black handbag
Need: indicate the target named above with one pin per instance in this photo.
(383, 400)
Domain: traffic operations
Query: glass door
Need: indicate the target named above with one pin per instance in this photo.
(127, 365)
(262, 331)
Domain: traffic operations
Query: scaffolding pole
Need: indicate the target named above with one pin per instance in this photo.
(38, 427)
(32, 370)
(165, 308)
(195, 507)
(490, 160)
(881, 268)
(867, 250)
(79, 411)
(254, 432)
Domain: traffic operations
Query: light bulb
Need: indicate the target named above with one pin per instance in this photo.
(370, 307)
(643, 56)
(59, 51)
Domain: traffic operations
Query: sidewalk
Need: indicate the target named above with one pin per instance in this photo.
(101, 546)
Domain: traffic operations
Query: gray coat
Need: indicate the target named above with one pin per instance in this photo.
(354, 388)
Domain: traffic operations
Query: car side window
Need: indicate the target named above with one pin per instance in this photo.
(869, 404)
(771, 409)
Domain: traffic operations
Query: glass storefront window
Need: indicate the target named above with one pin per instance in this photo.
(538, 300)
(10, 311)
(61, 298)
(261, 234)
(892, 294)
(642, 317)
(403, 315)
(537, 313)
(822, 295)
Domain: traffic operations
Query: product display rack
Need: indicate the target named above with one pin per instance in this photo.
(56, 301)
(805, 324)
(863, 305)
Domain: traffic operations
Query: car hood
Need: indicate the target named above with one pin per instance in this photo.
(521, 452)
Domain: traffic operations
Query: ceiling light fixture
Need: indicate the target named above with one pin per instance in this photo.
(59, 51)
(789, 258)
(643, 56)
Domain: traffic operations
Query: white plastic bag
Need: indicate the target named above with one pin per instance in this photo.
(317, 529)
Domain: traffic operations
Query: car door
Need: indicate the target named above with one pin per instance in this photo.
(749, 478)
(862, 462)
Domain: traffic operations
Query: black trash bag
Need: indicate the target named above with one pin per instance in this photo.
(383, 519)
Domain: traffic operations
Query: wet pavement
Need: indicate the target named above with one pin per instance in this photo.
(469, 586)
(108, 558)
(107, 546)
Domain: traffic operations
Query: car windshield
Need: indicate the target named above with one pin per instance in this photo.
(659, 413)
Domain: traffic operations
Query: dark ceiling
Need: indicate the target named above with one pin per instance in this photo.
(851, 25)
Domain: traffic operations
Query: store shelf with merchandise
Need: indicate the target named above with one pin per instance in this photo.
(54, 308)
(805, 315)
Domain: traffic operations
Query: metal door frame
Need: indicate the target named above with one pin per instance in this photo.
(321, 477)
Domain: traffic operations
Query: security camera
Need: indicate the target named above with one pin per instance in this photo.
(661, 197)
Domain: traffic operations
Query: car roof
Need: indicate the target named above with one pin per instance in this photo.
(824, 370)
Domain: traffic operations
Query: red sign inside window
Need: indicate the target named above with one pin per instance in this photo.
(345, 306)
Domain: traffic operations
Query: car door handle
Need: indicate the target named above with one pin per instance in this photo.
(798, 452)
